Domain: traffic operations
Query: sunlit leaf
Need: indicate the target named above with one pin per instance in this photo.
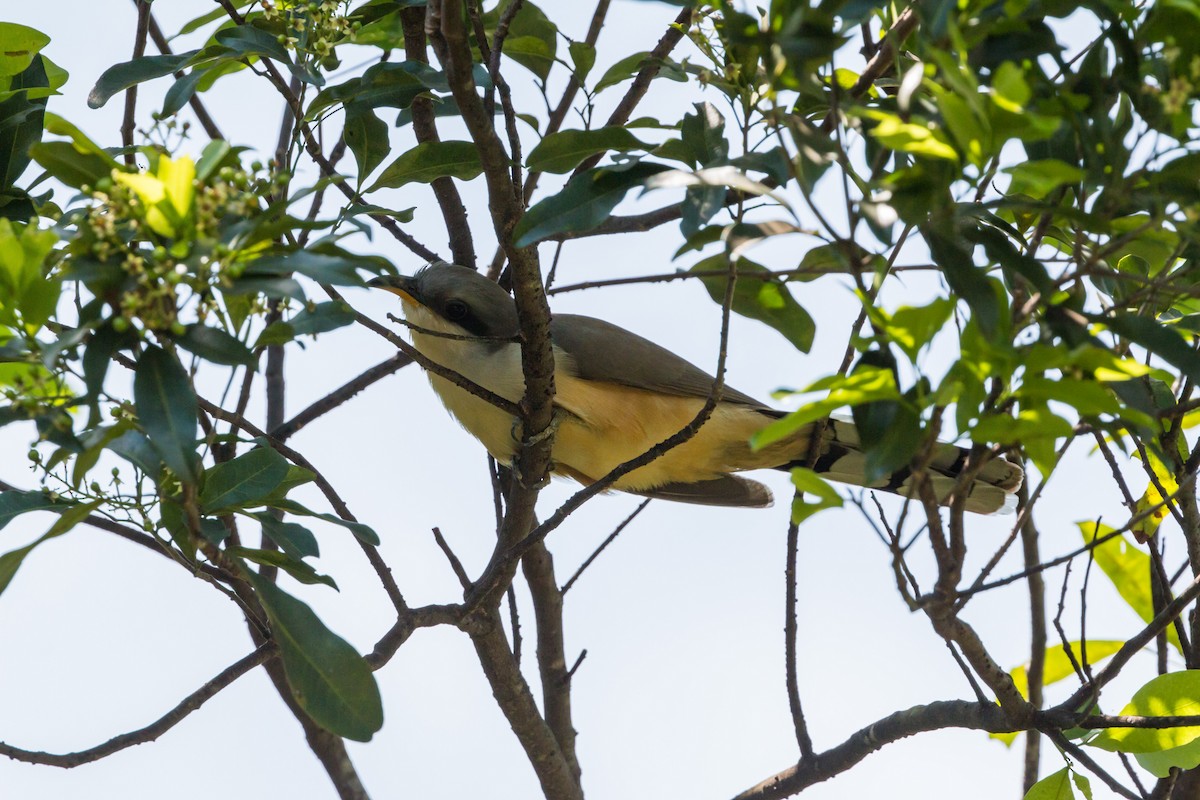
(1176, 694)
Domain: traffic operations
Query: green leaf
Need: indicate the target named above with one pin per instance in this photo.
(1053, 787)
(766, 299)
(367, 137)
(18, 45)
(21, 121)
(909, 137)
(968, 281)
(583, 56)
(245, 481)
(321, 318)
(631, 65)
(10, 562)
(13, 503)
(1176, 694)
(248, 40)
(328, 678)
(703, 134)
(532, 37)
(1160, 764)
(216, 346)
(890, 430)
(302, 572)
(913, 327)
(431, 160)
(271, 287)
(1163, 342)
(808, 482)
(563, 151)
(182, 90)
(1039, 177)
(1128, 568)
(390, 85)
(865, 385)
(361, 531)
(1056, 667)
(292, 538)
(65, 162)
(341, 270)
(166, 408)
(586, 201)
(120, 77)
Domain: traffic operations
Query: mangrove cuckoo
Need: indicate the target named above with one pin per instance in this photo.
(618, 395)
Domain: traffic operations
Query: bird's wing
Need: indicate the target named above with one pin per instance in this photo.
(727, 490)
(601, 351)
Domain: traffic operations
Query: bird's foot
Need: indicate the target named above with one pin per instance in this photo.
(519, 478)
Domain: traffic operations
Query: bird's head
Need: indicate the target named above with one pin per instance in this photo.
(447, 298)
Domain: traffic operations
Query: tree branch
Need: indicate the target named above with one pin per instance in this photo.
(129, 121)
(152, 731)
(892, 728)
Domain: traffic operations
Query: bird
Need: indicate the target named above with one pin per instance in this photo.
(618, 394)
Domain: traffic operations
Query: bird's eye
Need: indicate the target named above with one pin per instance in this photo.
(456, 310)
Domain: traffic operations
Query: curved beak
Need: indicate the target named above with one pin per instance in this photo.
(402, 285)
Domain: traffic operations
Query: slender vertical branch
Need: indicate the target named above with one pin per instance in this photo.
(197, 105)
(538, 567)
(129, 121)
(462, 246)
(803, 739)
(515, 699)
(1036, 585)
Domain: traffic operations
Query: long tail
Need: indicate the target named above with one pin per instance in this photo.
(839, 457)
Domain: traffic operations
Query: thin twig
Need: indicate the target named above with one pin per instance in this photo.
(803, 739)
(607, 541)
(155, 729)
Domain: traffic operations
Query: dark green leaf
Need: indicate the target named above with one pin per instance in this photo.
(890, 430)
(321, 318)
(21, 121)
(181, 91)
(292, 538)
(121, 76)
(367, 137)
(340, 270)
(967, 280)
(248, 40)
(71, 516)
(563, 151)
(389, 85)
(431, 160)
(363, 532)
(271, 287)
(13, 503)
(328, 678)
(585, 202)
(137, 450)
(631, 65)
(703, 133)
(216, 346)
(245, 481)
(760, 296)
(292, 566)
(65, 162)
(166, 409)
(1163, 342)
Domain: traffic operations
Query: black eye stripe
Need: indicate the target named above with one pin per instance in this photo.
(456, 311)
